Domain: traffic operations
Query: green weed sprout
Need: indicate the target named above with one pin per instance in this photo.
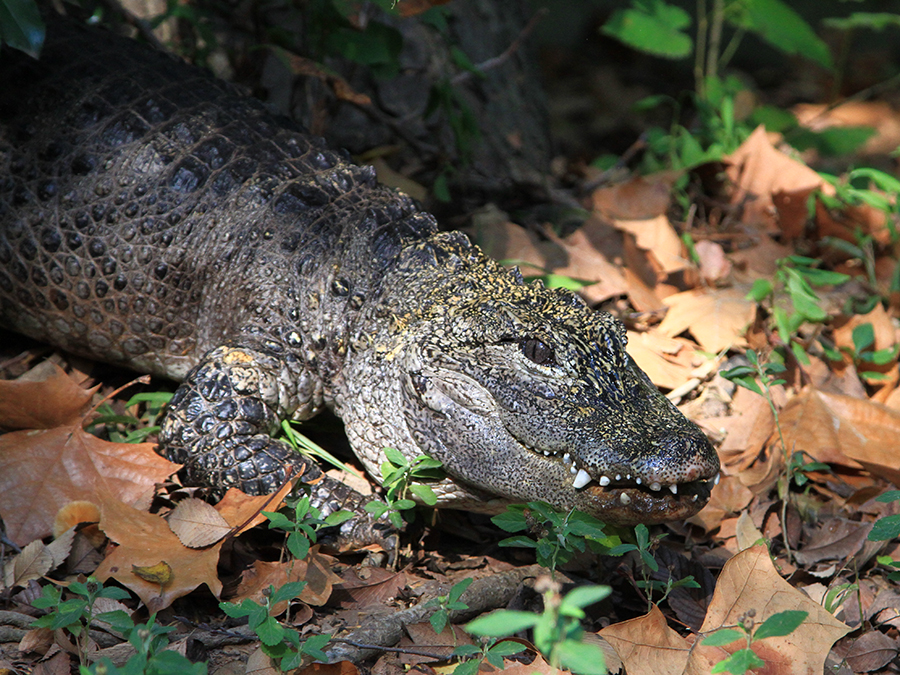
(279, 642)
(555, 535)
(777, 625)
(644, 546)
(402, 478)
(302, 529)
(557, 631)
(885, 529)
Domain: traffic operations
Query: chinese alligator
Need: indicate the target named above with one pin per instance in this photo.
(152, 217)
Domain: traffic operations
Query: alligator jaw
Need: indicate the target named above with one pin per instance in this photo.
(620, 494)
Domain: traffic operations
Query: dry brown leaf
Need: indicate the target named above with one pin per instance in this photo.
(638, 198)
(197, 524)
(58, 664)
(658, 237)
(745, 532)
(759, 171)
(259, 663)
(145, 540)
(315, 570)
(33, 562)
(842, 430)
(577, 256)
(716, 318)
(748, 582)
(651, 351)
(714, 264)
(876, 114)
(647, 646)
(746, 431)
(52, 402)
(339, 668)
(836, 539)
(43, 470)
(729, 496)
(379, 586)
(872, 650)
(243, 511)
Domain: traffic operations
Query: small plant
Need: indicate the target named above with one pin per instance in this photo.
(151, 655)
(862, 354)
(75, 614)
(303, 528)
(446, 604)
(555, 535)
(885, 529)
(279, 642)
(644, 546)
(490, 650)
(760, 379)
(795, 278)
(130, 428)
(399, 478)
(557, 631)
(777, 625)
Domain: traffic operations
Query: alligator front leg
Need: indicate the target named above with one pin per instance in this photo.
(218, 425)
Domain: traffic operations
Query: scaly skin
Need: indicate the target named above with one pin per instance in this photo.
(152, 218)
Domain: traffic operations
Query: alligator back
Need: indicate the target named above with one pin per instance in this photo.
(149, 214)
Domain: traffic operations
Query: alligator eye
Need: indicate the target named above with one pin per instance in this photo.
(539, 352)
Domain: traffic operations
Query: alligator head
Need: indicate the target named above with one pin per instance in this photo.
(527, 394)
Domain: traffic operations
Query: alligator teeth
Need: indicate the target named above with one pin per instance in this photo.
(573, 470)
(618, 476)
(673, 489)
(636, 480)
(624, 498)
(581, 479)
(546, 453)
(567, 458)
(716, 479)
(654, 486)
(604, 481)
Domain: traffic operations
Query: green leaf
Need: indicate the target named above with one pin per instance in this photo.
(889, 496)
(338, 517)
(396, 457)
(780, 624)
(424, 493)
(466, 650)
(289, 591)
(761, 289)
(885, 528)
(458, 589)
(511, 520)
(506, 648)
(438, 620)
(269, 631)
(863, 337)
(723, 637)
(654, 28)
(739, 663)
(870, 20)
(582, 658)
(782, 27)
(502, 623)
(298, 545)
(21, 26)
(469, 667)
(586, 595)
